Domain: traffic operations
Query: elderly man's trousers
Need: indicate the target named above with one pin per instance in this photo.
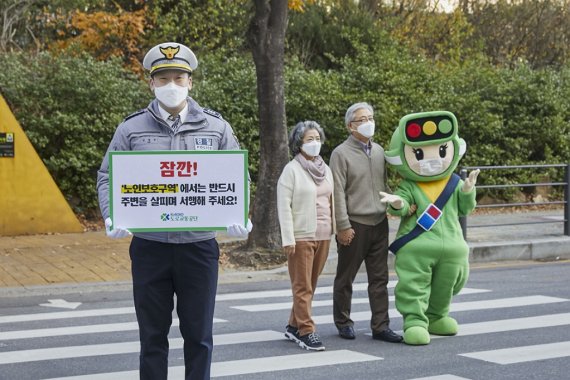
(370, 245)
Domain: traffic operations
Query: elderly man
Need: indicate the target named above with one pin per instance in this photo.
(184, 263)
(359, 175)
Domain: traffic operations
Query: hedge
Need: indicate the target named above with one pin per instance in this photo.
(70, 106)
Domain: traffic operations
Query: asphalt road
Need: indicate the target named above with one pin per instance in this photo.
(514, 322)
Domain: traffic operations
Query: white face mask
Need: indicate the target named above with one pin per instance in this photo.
(432, 166)
(171, 95)
(366, 129)
(312, 148)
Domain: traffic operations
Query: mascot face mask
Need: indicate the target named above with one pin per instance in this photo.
(425, 146)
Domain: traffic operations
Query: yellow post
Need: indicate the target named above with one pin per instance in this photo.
(30, 201)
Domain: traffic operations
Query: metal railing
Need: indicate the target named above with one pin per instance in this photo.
(566, 184)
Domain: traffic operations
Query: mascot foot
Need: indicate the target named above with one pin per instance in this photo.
(416, 336)
(443, 326)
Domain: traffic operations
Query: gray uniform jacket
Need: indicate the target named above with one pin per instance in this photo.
(203, 129)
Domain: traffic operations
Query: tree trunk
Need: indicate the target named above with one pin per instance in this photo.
(266, 36)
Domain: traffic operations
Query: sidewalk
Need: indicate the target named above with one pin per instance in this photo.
(63, 258)
(91, 257)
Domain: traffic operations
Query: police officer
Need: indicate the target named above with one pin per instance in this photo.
(168, 263)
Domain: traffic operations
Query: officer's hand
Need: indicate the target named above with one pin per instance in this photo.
(115, 233)
(394, 200)
(238, 230)
(470, 181)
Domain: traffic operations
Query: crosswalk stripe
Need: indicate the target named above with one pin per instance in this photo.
(523, 354)
(247, 337)
(61, 331)
(77, 330)
(287, 292)
(356, 316)
(500, 303)
(441, 377)
(466, 291)
(503, 325)
(285, 362)
(248, 366)
(131, 310)
(22, 356)
(287, 305)
(281, 363)
(261, 336)
(329, 302)
(459, 306)
(66, 314)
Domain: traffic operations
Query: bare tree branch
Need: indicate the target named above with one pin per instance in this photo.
(13, 18)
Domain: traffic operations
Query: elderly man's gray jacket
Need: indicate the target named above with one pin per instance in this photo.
(146, 130)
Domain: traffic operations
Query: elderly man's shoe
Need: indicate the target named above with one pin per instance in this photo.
(387, 336)
(346, 332)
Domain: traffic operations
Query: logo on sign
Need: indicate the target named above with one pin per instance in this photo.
(177, 217)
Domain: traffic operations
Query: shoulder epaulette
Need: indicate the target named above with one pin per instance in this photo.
(134, 114)
(213, 113)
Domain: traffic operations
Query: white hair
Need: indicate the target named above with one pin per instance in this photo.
(349, 116)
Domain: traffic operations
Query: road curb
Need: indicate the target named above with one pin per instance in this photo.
(549, 249)
(536, 249)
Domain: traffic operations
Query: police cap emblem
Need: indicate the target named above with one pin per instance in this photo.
(170, 56)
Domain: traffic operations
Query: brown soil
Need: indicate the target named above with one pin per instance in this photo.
(236, 256)
(232, 255)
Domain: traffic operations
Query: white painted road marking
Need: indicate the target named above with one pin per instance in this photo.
(62, 304)
(66, 314)
(355, 301)
(503, 325)
(523, 354)
(287, 292)
(23, 356)
(441, 377)
(131, 310)
(246, 366)
(459, 306)
(78, 330)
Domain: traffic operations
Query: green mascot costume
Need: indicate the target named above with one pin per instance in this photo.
(431, 253)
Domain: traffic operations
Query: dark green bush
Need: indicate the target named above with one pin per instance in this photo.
(226, 83)
(69, 108)
(512, 117)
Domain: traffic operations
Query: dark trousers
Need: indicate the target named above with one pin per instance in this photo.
(190, 271)
(370, 244)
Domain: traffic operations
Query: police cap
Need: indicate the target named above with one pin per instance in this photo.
(170, 56)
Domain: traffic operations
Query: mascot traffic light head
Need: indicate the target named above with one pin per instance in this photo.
(425, 146)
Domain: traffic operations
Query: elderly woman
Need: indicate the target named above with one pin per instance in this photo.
(306, 216)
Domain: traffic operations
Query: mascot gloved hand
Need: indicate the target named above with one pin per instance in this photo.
(431, 253)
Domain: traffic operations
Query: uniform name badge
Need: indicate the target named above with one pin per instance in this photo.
(429, 217)
(203, 143)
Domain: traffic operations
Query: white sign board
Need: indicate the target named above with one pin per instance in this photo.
(178, 190)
